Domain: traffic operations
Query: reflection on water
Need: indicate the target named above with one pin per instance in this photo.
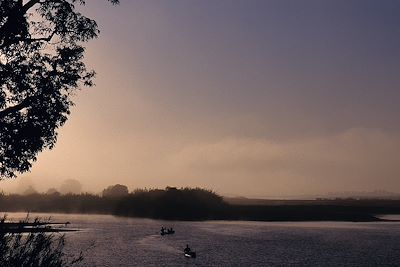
(114, 241)
(395, 217)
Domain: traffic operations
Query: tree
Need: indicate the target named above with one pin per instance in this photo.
(41, 66)
(117, 190)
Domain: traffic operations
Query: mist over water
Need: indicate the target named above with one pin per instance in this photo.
(115, 241)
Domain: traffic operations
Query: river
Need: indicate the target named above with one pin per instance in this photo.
(107, 240)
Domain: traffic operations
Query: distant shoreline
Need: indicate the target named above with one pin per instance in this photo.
(188, 204)
(347, 217)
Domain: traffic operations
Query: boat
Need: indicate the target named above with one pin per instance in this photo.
(167, 232)
(190, 254)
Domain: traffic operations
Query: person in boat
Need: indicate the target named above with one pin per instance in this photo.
(163, 230)
(171, 231)
(187, 250)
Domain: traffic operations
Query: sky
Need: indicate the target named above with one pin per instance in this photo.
(255, 98)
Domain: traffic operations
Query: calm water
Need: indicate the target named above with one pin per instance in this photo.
(114, 241)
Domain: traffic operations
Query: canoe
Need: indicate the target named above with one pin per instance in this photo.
(168, 233)
(191, 254)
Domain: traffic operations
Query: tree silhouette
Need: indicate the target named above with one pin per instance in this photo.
(117, 190)
(41, 66)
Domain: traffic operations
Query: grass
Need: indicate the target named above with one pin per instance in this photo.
(39, 249)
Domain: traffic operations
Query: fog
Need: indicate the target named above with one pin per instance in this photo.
(260, 98)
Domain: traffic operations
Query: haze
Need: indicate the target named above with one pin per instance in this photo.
(251, 98)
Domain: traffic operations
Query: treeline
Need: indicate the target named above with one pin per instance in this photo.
(172, 204)
(193, 204)
(169, 203)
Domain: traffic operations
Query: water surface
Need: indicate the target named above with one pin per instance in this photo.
(115, 241)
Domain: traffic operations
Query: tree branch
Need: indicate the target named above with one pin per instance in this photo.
(30, 4)
(47, 39)
(25, 103)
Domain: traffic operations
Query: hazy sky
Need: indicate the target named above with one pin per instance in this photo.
(256, 98)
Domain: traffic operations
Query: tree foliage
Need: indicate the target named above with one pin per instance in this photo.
(117, 190)
(41, 66)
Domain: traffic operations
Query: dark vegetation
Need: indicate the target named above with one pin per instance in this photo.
(117, 190)
(41, 67)
(197, 204)
(37, 248)
(172, 204)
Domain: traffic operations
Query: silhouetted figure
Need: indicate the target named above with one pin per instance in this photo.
(189, 253)
(187, 250)
(167, 231)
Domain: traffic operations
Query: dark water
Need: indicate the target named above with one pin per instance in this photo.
(114, 241)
